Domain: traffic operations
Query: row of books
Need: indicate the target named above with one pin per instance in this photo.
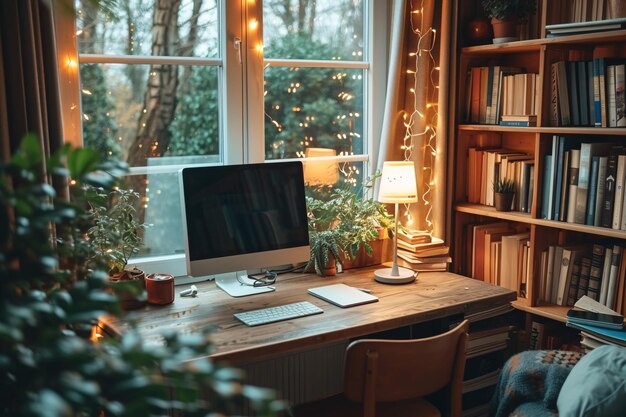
(588, 93)
(496, 91)
(577, 11)
(420, 251)
(550, 336)
(584, 183)
(500, 255)
(486, 165)
(598, 324)
(569, 272)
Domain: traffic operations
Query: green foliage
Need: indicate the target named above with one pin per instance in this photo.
(344, 222)
(116, 231)
(47, 366)
(505, 9)
(504, 186)
(313, 113)
(99, 129)
(195, 128)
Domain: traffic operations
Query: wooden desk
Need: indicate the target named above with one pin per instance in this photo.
(434, 295)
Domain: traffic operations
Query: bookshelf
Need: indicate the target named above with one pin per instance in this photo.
(536, 54)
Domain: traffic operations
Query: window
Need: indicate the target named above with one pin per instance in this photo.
(196, 81)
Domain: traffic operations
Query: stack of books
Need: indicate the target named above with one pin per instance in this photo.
(598, 324)
(420, 251)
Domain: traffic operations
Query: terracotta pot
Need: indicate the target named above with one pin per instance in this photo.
(329, 269)
(160, 288)
(362, 259)
(504, 29)
(130, 291)
(503, 201)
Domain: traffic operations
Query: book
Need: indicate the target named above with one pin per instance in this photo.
(564, 188)
(572, 83)
(547, 179)
(583, 91)
(609, 321)
(568, 257)
(511, 252)
(475, 100)
(583, 283)
(600, 187)
(549, 277)
(598, 67)
(479, 248)
(595, 273)
(555, 110)
(415, 236)
(518, 123)
(562, 93)
(620, 105)
(593, 191)
(531, 187)
(519, 117)
(616, 336)
(537, 336)
(574, 160)
(610, 93)
(590, 94)
(606, 270)
(618, 201)
(612, 285)
(606, 219)
(556, 273)
(566, 29)
(574, 282)
(587, 152)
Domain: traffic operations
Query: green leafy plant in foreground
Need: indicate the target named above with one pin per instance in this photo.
(48, 297)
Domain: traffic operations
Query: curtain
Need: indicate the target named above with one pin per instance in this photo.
(416, 98)
(29, 90)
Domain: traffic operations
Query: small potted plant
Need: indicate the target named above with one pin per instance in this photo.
(325, 251)
(116, 235)
(504, 190)
(505, 16)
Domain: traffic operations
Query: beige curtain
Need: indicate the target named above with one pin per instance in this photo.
(420, 109)
(29, 90)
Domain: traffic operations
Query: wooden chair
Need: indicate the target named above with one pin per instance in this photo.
(390, 377)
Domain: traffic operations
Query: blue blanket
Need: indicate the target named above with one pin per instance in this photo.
(530, 382)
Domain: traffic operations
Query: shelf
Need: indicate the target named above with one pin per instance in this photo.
(613, 36)
(558, 313)
(517, 216)
(551, 130)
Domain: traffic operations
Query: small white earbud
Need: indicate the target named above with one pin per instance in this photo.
(191, 292)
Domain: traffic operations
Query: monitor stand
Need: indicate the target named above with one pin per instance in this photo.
(234, 287)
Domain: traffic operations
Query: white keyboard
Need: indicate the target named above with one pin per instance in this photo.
(278, 313)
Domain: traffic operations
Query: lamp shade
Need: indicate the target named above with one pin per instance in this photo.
(323, 171)
(397, 184)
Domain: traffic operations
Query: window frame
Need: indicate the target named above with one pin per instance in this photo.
(242, 115)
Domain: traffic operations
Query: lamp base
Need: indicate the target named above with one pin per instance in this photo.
(404, 276)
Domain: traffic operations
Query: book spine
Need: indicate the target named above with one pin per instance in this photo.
(596, 93)
(563, 94)
(555, 119)
(531, 188)
(489, 99)
(549, 275)
(590, 94)
(583, 183)
(600, 187)
(573, 184)
(583, 91)
(602, 81)
(609, 192)
(574, 282)
(484, 86)
(475, 100)
(546, 187)
(619, 192)
(610, 89)
(620, 105)
(564, 188)
(610, 295)
(606, 270)
(558, 257)
(595, 273)
(593, 191)
(560, 171)
(524, 188)
(563, 289)
(585, 269)
(574, 100)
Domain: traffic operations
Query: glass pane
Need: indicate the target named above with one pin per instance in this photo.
(314, 29)
(180, 117)
(130, 27)
(344, 175)
(313, 108)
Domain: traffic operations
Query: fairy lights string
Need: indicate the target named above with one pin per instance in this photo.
(421, 114)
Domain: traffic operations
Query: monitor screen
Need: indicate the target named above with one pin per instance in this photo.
(241, 217)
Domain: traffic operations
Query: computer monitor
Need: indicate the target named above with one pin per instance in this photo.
(240, 217)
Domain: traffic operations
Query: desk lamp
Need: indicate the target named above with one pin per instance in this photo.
(397, 186)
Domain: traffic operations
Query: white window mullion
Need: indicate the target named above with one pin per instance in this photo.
(255, 88)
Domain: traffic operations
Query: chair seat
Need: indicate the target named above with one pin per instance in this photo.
(339, 406)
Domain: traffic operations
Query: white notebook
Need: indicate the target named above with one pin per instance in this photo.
(342, 295)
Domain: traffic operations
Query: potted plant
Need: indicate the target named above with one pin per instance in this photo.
(115, 236)
(349, 221)
(505, 16)
(325, 251)
(504, 190)
(47, 293)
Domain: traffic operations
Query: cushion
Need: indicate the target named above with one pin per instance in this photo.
(596, 386)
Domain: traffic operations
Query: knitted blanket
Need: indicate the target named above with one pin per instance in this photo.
(530, 382)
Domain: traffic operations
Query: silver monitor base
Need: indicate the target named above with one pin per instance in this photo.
(239, 287)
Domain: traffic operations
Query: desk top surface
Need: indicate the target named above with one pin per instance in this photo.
(433, 295)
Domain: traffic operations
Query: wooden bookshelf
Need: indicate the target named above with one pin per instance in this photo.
(534, 56)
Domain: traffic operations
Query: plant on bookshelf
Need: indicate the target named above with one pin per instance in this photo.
(504, 190)
(505, 14)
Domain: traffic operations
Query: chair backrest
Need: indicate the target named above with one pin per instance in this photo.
(393, 370)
